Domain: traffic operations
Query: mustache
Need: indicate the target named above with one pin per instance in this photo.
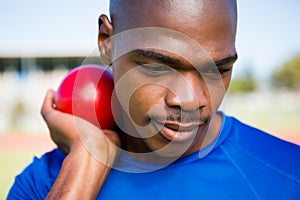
(181, 117)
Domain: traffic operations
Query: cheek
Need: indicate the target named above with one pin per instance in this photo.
(142, 100)
(227, 80)
(217, 92)
(136, 93)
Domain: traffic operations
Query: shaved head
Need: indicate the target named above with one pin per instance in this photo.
(160, 52)
(125, 14)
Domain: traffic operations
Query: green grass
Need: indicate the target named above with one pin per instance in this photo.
(11, 164)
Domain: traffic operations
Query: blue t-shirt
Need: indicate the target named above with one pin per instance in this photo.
(243, 163)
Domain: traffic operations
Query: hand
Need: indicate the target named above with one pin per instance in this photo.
(69, 131)
(86, 145)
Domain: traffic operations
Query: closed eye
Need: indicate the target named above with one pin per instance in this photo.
(224, 70)
(155, 68)
(215, 72)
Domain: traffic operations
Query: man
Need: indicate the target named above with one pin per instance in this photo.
(172, 63)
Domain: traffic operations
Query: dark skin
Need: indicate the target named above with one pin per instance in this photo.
(179, 89)
(215, 34)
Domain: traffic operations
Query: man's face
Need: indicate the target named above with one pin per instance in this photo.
(171, 78)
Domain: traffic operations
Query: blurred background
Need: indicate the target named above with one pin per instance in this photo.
(40, 41)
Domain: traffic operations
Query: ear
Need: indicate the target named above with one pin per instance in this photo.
(104, 42)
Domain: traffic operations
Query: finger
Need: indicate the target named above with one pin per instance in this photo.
(48, 103)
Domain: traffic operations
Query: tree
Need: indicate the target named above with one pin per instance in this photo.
(242, 86)
(288, 76)
(245, 83)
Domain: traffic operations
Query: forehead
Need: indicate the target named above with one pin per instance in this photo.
(211, 23)
(168, 42)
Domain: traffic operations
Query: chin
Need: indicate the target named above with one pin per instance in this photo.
(168, 149)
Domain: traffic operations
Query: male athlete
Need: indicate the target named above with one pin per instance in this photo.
(172, 63)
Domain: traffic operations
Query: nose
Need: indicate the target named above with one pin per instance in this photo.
(187, 92)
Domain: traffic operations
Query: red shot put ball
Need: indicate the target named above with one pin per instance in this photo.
(86, 92)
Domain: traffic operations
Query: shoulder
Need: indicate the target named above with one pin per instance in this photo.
(37, 178)
(263, 151)
(258, 141)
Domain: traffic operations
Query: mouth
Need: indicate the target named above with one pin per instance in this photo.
(177, 131)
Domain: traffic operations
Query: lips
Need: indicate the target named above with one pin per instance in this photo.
(176, 131)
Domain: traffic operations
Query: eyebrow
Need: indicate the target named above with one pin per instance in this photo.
(174, 61)
(226, 60)
(156, 56)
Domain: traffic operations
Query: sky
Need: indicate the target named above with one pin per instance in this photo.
(268, 30)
